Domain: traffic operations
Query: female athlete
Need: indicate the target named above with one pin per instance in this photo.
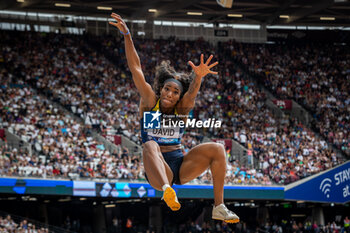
(174, 94)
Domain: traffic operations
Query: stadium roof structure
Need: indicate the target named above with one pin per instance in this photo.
(269, 12)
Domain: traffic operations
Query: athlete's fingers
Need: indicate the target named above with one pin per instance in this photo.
(212, 65)
(118, 21)
(213, 72)
(202, 58)
(116, 15)
(209, 59)
(114, 24)
(192, 65)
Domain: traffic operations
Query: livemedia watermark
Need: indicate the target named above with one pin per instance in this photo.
(157, 120)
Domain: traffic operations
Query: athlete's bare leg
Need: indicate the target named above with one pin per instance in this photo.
(157, 170)
(207, 155)
(159, 173)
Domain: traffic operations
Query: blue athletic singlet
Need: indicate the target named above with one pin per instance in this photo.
(163, 136)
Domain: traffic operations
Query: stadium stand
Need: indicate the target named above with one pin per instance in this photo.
(102, 94)
(315, 75)
(69, 115)
(10, 223)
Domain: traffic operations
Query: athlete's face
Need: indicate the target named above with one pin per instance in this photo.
(170, 94)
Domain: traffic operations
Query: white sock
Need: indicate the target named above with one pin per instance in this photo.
(165, 187)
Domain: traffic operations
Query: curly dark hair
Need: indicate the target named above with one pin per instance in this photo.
(164, 71)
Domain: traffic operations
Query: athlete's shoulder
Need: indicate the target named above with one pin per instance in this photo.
(144, 106)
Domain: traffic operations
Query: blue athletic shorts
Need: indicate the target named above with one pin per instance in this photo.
(174, 160)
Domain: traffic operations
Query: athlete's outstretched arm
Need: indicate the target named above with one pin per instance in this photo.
(145, 90)
(188, 100)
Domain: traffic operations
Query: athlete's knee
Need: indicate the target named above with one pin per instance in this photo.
(217, 150)
(220, 151)
(220, 147)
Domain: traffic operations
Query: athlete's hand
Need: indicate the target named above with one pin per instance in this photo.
(203, 68)
(120, 24)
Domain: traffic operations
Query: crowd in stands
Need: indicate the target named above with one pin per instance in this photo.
(286, 149)
(201, 226)
(68, 150)
(20, 225)
(70, 72)
(116, 165)
(269, 227)
(315, 75)
(8, 225)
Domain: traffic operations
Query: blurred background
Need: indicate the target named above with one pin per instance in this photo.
(70, 149)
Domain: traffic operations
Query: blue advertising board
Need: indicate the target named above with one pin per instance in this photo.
(329, 186)
(36, 186)
(131, 190)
